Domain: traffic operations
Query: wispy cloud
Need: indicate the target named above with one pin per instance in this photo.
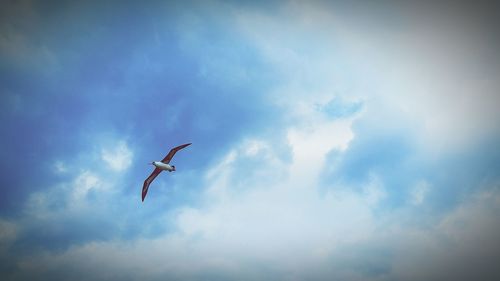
(119, 157)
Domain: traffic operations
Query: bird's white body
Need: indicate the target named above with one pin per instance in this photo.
(163, 166)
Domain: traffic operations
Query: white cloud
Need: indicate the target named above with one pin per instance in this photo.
(418, 192)
(286, 225)
(311, 140)
(118, 157)
(431, 73)
(294, 233)
(436, 76)
(374, 190)
(84, 183)
(60, 167)
(72, 194)
(253, 147)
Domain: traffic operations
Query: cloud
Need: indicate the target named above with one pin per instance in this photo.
(60, 167)
(8, 233)
(231, 227)
(359, 151)
(418, 192)
(118, 158)
(289, 230)
(459, 247)
(84, 183)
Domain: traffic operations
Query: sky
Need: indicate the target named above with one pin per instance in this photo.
(332, 140)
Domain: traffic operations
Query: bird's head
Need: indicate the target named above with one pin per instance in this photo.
(173, 168)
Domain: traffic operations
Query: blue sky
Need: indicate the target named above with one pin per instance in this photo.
(331, 141)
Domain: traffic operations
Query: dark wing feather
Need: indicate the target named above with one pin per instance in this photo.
(148, 181)
(172, 152)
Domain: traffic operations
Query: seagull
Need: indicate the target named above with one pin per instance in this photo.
(162, 165)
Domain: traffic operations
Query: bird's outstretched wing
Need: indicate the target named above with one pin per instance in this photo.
(172, 152)
(148, 181)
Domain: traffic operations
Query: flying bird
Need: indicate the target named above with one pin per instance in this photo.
(162, 165)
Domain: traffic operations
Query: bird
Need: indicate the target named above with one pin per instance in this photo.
(162, 165)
